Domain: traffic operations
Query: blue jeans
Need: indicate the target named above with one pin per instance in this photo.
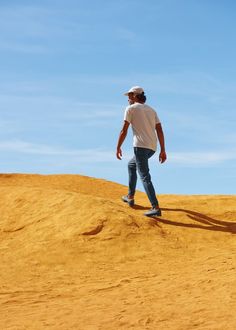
(140, 162)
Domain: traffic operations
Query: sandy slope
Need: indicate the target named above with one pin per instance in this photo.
(73, 256)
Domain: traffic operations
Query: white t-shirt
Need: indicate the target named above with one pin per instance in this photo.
(143, 120)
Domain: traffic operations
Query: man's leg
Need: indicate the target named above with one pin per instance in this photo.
(142, 156)
(132, 170)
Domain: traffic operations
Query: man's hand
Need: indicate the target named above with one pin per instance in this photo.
(119, 153)
(160, 134)
(162, 157)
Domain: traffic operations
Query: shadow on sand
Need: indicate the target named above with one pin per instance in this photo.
(206, 222)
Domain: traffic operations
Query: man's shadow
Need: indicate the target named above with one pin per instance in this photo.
(205, 221)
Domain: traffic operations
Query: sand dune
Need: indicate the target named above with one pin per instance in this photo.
(73, 256)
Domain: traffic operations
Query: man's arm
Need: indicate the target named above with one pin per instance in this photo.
(121, 139)
(160, 135)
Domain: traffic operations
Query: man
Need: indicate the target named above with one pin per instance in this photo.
(146, 130)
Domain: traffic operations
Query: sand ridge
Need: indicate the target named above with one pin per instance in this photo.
(73, 256)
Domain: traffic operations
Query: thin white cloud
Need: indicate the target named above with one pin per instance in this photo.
(37, 29)
(9, 127)
(206, 158)
(87, 155)
(126, 34)
(53, 28)
(23, 47)
(41, 22)
(59, 108)
(94, 111)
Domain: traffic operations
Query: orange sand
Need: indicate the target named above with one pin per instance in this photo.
(73, 256)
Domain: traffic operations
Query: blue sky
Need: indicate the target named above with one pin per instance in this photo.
(66, 64)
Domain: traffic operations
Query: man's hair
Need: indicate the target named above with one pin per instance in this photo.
(141, 97)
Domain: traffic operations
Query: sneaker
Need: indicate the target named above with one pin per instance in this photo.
(153, 212)
(128, 200)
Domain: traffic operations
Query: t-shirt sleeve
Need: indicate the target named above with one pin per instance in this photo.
(128, 115)
(157, 119)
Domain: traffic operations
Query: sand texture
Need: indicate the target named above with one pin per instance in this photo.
(74, 256)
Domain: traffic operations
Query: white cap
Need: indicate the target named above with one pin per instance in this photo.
(135, 90)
